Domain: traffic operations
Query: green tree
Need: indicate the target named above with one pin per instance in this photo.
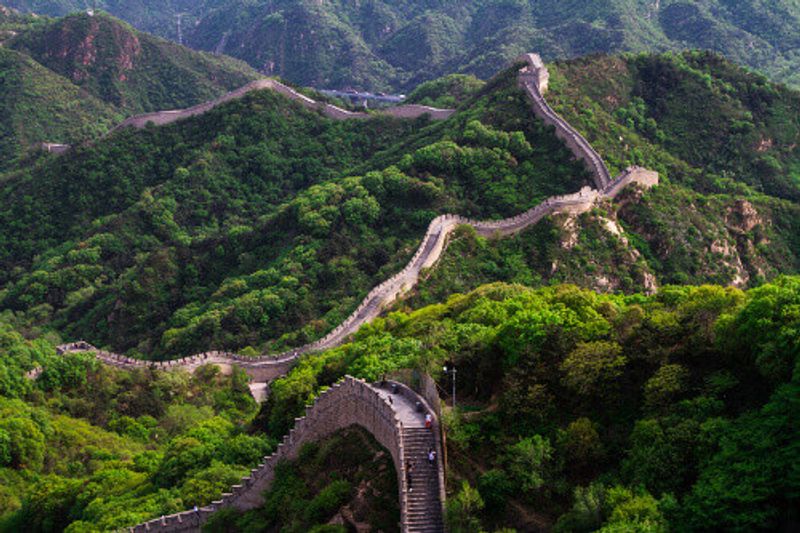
(463, 510)
(26, 443)
(528, 461)
(592, 365)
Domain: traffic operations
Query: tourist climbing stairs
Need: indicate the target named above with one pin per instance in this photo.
(424, 506)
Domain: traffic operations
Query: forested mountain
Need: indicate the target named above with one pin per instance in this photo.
(129, 69)
(584, 412)
(380, 44)
(38, 105)
(69, 80)
(727, 141)
(578, 412)
(245, 228)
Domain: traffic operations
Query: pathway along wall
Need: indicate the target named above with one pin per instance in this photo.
(350, 402)
(353, 401)
(161, 118)
(533, 77)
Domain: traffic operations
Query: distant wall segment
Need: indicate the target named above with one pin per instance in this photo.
(161, 118)
(534, 79)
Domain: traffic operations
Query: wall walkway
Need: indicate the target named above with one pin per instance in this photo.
(161, 118)
(353, 401)
(395, 421)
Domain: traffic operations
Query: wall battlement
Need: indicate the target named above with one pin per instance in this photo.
(350, 402)
(533, 77)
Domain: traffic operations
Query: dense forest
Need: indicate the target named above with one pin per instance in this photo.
(382, 44)
(89, 449)
(583, 412)
(577, 410)
(224, 231)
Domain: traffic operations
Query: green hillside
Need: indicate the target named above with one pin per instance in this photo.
(632, 368)
(70, 80)
(38, 105)
(261, 225)
(97, 449)
(132, 71)
(578, 411)
(726, 144)
(586, 412)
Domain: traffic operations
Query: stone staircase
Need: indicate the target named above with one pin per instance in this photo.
(424, 507)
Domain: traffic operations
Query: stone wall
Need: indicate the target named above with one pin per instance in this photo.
(351, 402)
(638, 175)
(533, 79)
(161, 118)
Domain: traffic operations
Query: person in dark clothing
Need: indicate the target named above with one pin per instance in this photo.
(409, 475)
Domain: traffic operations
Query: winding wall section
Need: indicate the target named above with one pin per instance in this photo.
(533, 78)
(391, 417)
(353, 401)
(161, 118)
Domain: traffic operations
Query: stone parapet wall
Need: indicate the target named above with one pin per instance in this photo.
(533, 79)
(350, 402)
(638, 175)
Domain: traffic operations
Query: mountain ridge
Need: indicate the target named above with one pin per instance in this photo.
(380, 45)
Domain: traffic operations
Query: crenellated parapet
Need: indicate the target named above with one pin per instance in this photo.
(533, 78)
(386, 413)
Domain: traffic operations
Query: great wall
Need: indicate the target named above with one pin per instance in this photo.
(161, 118)
(353, 401)
(391, 412)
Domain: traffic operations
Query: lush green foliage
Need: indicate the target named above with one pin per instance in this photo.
(133, 71)
(631, 413)
(88, 448)
(445, 93)
(70, 80)
(706, 222)
(349, 469)
(257, 220)
(695, 117)
(37, 105)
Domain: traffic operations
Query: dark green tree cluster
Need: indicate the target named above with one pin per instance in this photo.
(87, 448)
(626, 413)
